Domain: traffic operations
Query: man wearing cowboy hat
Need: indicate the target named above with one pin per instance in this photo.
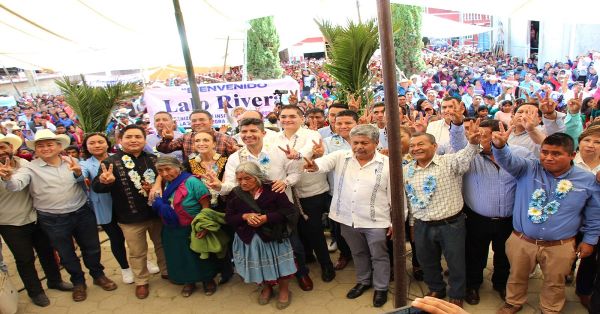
(22, 234)
(61, 206)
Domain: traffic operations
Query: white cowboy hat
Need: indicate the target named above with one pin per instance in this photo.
(11, 125)
(46, 134)
(13, 140)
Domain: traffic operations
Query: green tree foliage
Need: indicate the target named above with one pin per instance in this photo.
(406, 20)
(350, 49)
(94, 105)
(263, 49)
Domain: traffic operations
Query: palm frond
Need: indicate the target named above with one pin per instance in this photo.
(351, 49)
(93, 105)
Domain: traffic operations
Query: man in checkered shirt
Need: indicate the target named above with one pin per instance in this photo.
(433, 185)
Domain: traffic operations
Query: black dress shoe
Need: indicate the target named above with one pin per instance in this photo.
(305, 283)
(472, 296)
(327, 274)
(357, 291)
(379, 298)
(61, 286)
(41, 300)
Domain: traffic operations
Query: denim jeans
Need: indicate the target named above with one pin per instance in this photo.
(22, 240)
(81, 225)
(449, 239)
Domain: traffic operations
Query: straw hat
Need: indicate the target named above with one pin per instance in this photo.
(13, 140)
(46, 134)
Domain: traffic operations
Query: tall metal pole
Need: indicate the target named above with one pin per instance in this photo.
(189, 66)
(11, 81)
(225, 58)
(392, 112)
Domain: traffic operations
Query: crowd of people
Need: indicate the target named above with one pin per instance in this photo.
(496, 152)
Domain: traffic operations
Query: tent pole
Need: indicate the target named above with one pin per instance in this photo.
(225, 59)
(394, 145)
(245, 65)
(11, 82)
(186, 56)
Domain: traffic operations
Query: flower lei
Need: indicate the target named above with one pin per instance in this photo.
(539, 213)
(429, 186)
(149, 175)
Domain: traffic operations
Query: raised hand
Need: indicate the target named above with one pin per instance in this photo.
(547, 104)
(278, 186)
(421, 122)
(574, 105)
(167, 134)
(320, 103)
(231, 147)
(458, 114)
(366, 118)
(290, 153)
(528, 123)
(473, 133)
(310, 165)
(224, 128)
(107, 176)
(318, 149)
(6, 170)
(225, 105)
(73, 165)
(293, 99)
(211, 180)
(499, 138)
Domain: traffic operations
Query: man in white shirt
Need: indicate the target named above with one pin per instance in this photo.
(283, 172)
(440, 129)
(361, 204)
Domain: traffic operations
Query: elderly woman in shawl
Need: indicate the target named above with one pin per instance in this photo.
(183, 198)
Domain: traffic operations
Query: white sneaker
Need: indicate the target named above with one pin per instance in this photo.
(332, 247)
(127, 275)
(152, 268)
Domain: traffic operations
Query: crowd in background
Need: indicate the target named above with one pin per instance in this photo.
(223, 197)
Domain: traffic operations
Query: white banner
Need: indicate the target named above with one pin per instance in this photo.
(252, 95)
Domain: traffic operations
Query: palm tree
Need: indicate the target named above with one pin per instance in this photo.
(94, 105)
(349, 51)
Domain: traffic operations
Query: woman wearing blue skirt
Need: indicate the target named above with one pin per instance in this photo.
(262, 219)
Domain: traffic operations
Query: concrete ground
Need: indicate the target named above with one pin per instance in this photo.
(238, 297)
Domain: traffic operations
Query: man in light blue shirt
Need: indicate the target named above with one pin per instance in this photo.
(553, 201)
(489, 217)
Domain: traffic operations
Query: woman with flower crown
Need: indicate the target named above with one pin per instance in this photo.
(554, 200)
(128, 175)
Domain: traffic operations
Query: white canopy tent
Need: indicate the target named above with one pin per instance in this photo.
(82, 36)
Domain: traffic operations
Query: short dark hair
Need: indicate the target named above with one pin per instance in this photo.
(430, 137)
(506, 102)
(482, 108)
(492, 124)
(560, 139)
(292, 107)
(315, 111)
(60, 125)
(339, 106)
(348, 113)
(131, 127)
(72, 147)
(530, 104)
(197, 111)
(252, 121)
(379, 104)
(164, 112)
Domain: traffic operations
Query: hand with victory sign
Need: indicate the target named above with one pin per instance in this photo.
(212, 181)
(6, 169)
(318, 149)
(500, 138)
(290, 153)
(73, 165)
(310, 165)
(107, 176)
